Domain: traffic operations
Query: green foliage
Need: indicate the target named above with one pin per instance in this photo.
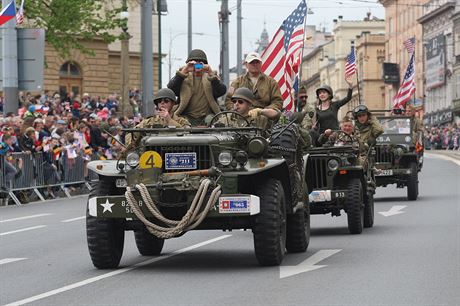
(68, 22)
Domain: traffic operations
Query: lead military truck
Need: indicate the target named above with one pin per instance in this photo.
(221, 178)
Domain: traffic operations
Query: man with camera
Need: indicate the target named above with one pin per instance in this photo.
(265, 89)
(198, 88)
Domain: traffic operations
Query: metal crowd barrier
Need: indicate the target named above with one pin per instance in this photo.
(40, 174)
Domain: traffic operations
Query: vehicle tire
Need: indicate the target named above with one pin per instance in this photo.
(148, 244)
(412, 182)
(354, 205)
(298, 231)
(369, 211)
(105, 236)
(270, 224)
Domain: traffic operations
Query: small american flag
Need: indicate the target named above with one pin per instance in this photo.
(410, 45)
(281, 58)
(407, 88)
(350, 66)
(20, 14)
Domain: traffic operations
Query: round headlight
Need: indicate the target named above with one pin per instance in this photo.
(333, 164)
(132, 159)
(399, 152)
(241, 157)
(225, 158)
(257, 146)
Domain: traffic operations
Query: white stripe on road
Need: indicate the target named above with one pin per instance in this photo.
(8, 260)
(74, 219)
(113, 273)
(24, 218)
(22, 230)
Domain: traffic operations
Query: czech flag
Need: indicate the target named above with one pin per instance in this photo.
(8, 13)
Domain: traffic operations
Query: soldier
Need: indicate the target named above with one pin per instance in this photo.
(198, 88)
(369, 128)
(243, 101)
(417, 126)
(265, 89)
(164, 117)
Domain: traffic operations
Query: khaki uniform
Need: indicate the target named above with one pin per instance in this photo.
(342, 139)
(307, 122)
(417, 129)
(236, 121)
(266, 91)
(368, 130)
(155, 121)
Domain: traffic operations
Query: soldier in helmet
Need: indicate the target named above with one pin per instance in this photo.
(198, 88)
(243, 101)
(164, 116)
(369, 127)
(327, 110)
(266, 91)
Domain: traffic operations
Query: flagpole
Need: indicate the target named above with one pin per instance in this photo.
(301, 54)
(357, 77)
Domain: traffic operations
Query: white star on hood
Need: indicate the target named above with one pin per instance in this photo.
(107, 206)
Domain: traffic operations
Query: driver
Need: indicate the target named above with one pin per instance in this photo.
(243, 101)
(369, 128)
(346, 137)
(164, 116)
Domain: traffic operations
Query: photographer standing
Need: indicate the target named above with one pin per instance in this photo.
(198, 88)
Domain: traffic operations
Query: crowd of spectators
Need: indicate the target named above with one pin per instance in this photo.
(446, 137)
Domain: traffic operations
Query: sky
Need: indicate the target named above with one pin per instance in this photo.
(255, 13)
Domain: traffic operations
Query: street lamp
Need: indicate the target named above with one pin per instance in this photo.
(171, 39)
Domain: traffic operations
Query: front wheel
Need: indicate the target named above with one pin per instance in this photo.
(354, 205)
(148, 244)
(298, 231)
(412, 183)
(369, 211)
(270, 224)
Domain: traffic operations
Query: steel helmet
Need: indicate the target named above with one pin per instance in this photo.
(244, 94)
(326, 88)
(360, 109)
(165, 93)
(197, 55)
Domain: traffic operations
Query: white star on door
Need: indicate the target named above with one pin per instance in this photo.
(107, 206)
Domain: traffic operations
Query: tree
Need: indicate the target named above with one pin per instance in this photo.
(68, 23)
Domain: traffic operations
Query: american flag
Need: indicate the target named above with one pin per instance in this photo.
(350, 66)
(20, 14)
(410, 45)
(407, 88)
(281, 58)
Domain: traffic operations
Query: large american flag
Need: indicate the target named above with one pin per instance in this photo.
(350, 65)
(20, 14)
(410, 45)
(281, 59)
(407, 88)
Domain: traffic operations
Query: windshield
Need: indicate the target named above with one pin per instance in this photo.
(395, 125)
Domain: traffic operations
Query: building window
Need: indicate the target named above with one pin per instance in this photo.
(69, 69)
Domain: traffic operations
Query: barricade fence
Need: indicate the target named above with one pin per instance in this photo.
(22, 174)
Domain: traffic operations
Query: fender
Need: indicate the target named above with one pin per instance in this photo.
(105, 168)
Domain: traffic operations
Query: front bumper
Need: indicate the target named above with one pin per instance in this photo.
(326, 196)
(227, 205)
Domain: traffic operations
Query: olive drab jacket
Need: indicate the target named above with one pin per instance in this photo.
(236, 121)
(417, 128)
(266, 91)
(369, 130)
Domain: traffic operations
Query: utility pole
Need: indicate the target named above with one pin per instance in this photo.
(159, 43)
(125, 60)
(10, 65)
(189, 30)
(239, 44)
(223, 19)
(147, 58)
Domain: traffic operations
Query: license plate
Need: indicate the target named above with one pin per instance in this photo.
(384, 172)
(239, 204)
(320, 196)
(179, 161)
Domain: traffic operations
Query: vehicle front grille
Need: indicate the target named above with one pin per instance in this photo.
(203, 155)
(384, 154)
(316, 173)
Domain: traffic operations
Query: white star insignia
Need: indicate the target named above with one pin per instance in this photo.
(107, 206)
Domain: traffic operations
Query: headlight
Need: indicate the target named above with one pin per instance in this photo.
(225, 158)
(257, 146)
(333, 164)
(132, 159)
(241, 157)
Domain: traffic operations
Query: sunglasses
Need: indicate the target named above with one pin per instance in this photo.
(164, 101)
(303, 97)
(238, 101)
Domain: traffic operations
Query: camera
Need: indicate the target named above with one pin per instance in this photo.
(199, 66)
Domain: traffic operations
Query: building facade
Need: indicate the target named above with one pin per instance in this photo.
(438, 40)
(456, 64)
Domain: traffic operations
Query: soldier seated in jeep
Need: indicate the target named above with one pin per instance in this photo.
(369, 128)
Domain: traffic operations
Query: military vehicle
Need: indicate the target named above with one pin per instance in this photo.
(398, 160)
(182, 179)
(336, 181)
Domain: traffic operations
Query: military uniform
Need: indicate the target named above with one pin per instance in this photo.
(266, 91)
(417, 128)
(369, 130)
(236, 121)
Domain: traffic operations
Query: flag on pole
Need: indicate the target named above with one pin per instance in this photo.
(20, 14)
(407, 88)
(350, 65)
(410, 45)
(7, 13)
(281, 58)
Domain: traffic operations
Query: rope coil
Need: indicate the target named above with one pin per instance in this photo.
(174, 228)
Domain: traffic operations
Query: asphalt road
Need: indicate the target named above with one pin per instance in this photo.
(409, 258)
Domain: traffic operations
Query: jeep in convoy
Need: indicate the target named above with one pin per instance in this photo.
(182, 179)
(398, 161)
(336, 181)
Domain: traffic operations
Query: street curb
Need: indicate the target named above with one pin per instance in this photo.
(455, 160)
(46, 201)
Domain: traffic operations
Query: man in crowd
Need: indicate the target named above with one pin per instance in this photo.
(266, 91)
(198, 88)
